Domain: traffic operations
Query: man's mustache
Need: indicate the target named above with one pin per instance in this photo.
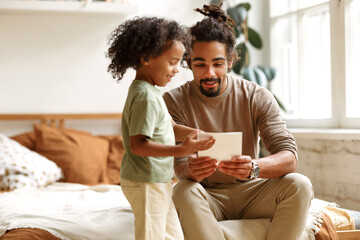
(210, 80)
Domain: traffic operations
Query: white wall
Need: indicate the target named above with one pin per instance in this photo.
(331, 160)
(55, 63)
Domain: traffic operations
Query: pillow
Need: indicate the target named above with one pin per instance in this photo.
(116, 153)
(81, 156)
(21, 167)
(26, 139)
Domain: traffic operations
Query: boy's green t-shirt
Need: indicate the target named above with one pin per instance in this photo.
(145, 113)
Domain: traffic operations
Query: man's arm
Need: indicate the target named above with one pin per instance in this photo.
(273, 166)
(277, 165)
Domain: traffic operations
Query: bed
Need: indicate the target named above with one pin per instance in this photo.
(61, 183)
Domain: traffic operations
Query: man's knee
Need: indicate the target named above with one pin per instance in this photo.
(185, 192)
(300, 185)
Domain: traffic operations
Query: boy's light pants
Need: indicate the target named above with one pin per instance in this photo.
(155, 214)
(285, 200)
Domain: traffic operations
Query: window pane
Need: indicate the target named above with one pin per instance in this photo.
(353, 82)
(310, 3)
(280, 7)
(284, 57)
(300, 51)
(315, 78)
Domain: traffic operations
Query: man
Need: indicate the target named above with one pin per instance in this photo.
(247, 187)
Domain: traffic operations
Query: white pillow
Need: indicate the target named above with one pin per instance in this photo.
(21, 167)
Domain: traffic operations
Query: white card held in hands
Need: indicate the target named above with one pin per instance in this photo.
(227, 145)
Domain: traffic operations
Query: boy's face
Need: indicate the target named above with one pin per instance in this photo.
(162, 68)
(209, 66)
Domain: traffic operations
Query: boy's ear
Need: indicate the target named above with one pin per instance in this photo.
(143, 61)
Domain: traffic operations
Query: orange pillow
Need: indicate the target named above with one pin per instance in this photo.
(26, 139)
(81, 156)
(116, 154)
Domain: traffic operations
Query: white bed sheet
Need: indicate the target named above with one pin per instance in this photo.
(74, 211)
(69, 211)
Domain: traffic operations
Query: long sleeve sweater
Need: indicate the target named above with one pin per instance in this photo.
(244, 107)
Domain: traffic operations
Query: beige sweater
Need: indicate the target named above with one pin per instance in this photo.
(243, 107)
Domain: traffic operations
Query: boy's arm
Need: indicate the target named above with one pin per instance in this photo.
(141, 146)
(181, 131)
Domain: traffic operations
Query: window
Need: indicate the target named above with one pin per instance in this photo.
(315, 47)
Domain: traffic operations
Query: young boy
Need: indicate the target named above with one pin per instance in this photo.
(153, 47)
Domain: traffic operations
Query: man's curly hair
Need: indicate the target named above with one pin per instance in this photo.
(216, 26)
(142, 37)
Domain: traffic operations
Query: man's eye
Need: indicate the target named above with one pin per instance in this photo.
(199, 65)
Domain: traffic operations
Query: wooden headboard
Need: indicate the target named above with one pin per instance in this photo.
(58, 120)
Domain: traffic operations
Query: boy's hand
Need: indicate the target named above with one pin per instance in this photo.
(192, 145)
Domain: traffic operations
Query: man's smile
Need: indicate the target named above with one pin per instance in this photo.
(210, 83)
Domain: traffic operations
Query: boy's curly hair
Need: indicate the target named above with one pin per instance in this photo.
(142, 37)
(216, 26)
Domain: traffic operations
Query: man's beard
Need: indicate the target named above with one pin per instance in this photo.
(212, 92)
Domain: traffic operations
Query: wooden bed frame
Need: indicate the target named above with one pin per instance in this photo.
(58, 120)
(349, 235)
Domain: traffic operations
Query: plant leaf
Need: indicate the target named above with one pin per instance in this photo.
(215, 2)
(281, 105)
(247, 6)
(238, 31)
(244, 56)
(255, 74)
(249, 74)
(261, 78)
(254, 38)
(238, 14)
(270, 72)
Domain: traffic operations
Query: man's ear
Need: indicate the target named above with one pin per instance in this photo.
(230, 65)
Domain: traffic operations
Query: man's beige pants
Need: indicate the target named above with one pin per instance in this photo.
(155, 214)
(285, 200)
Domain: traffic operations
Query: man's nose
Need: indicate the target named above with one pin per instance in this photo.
(209, 72)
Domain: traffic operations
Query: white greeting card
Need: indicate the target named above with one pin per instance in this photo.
(227, 145)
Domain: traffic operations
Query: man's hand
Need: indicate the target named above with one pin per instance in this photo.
(201, 167)
(239, 167)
